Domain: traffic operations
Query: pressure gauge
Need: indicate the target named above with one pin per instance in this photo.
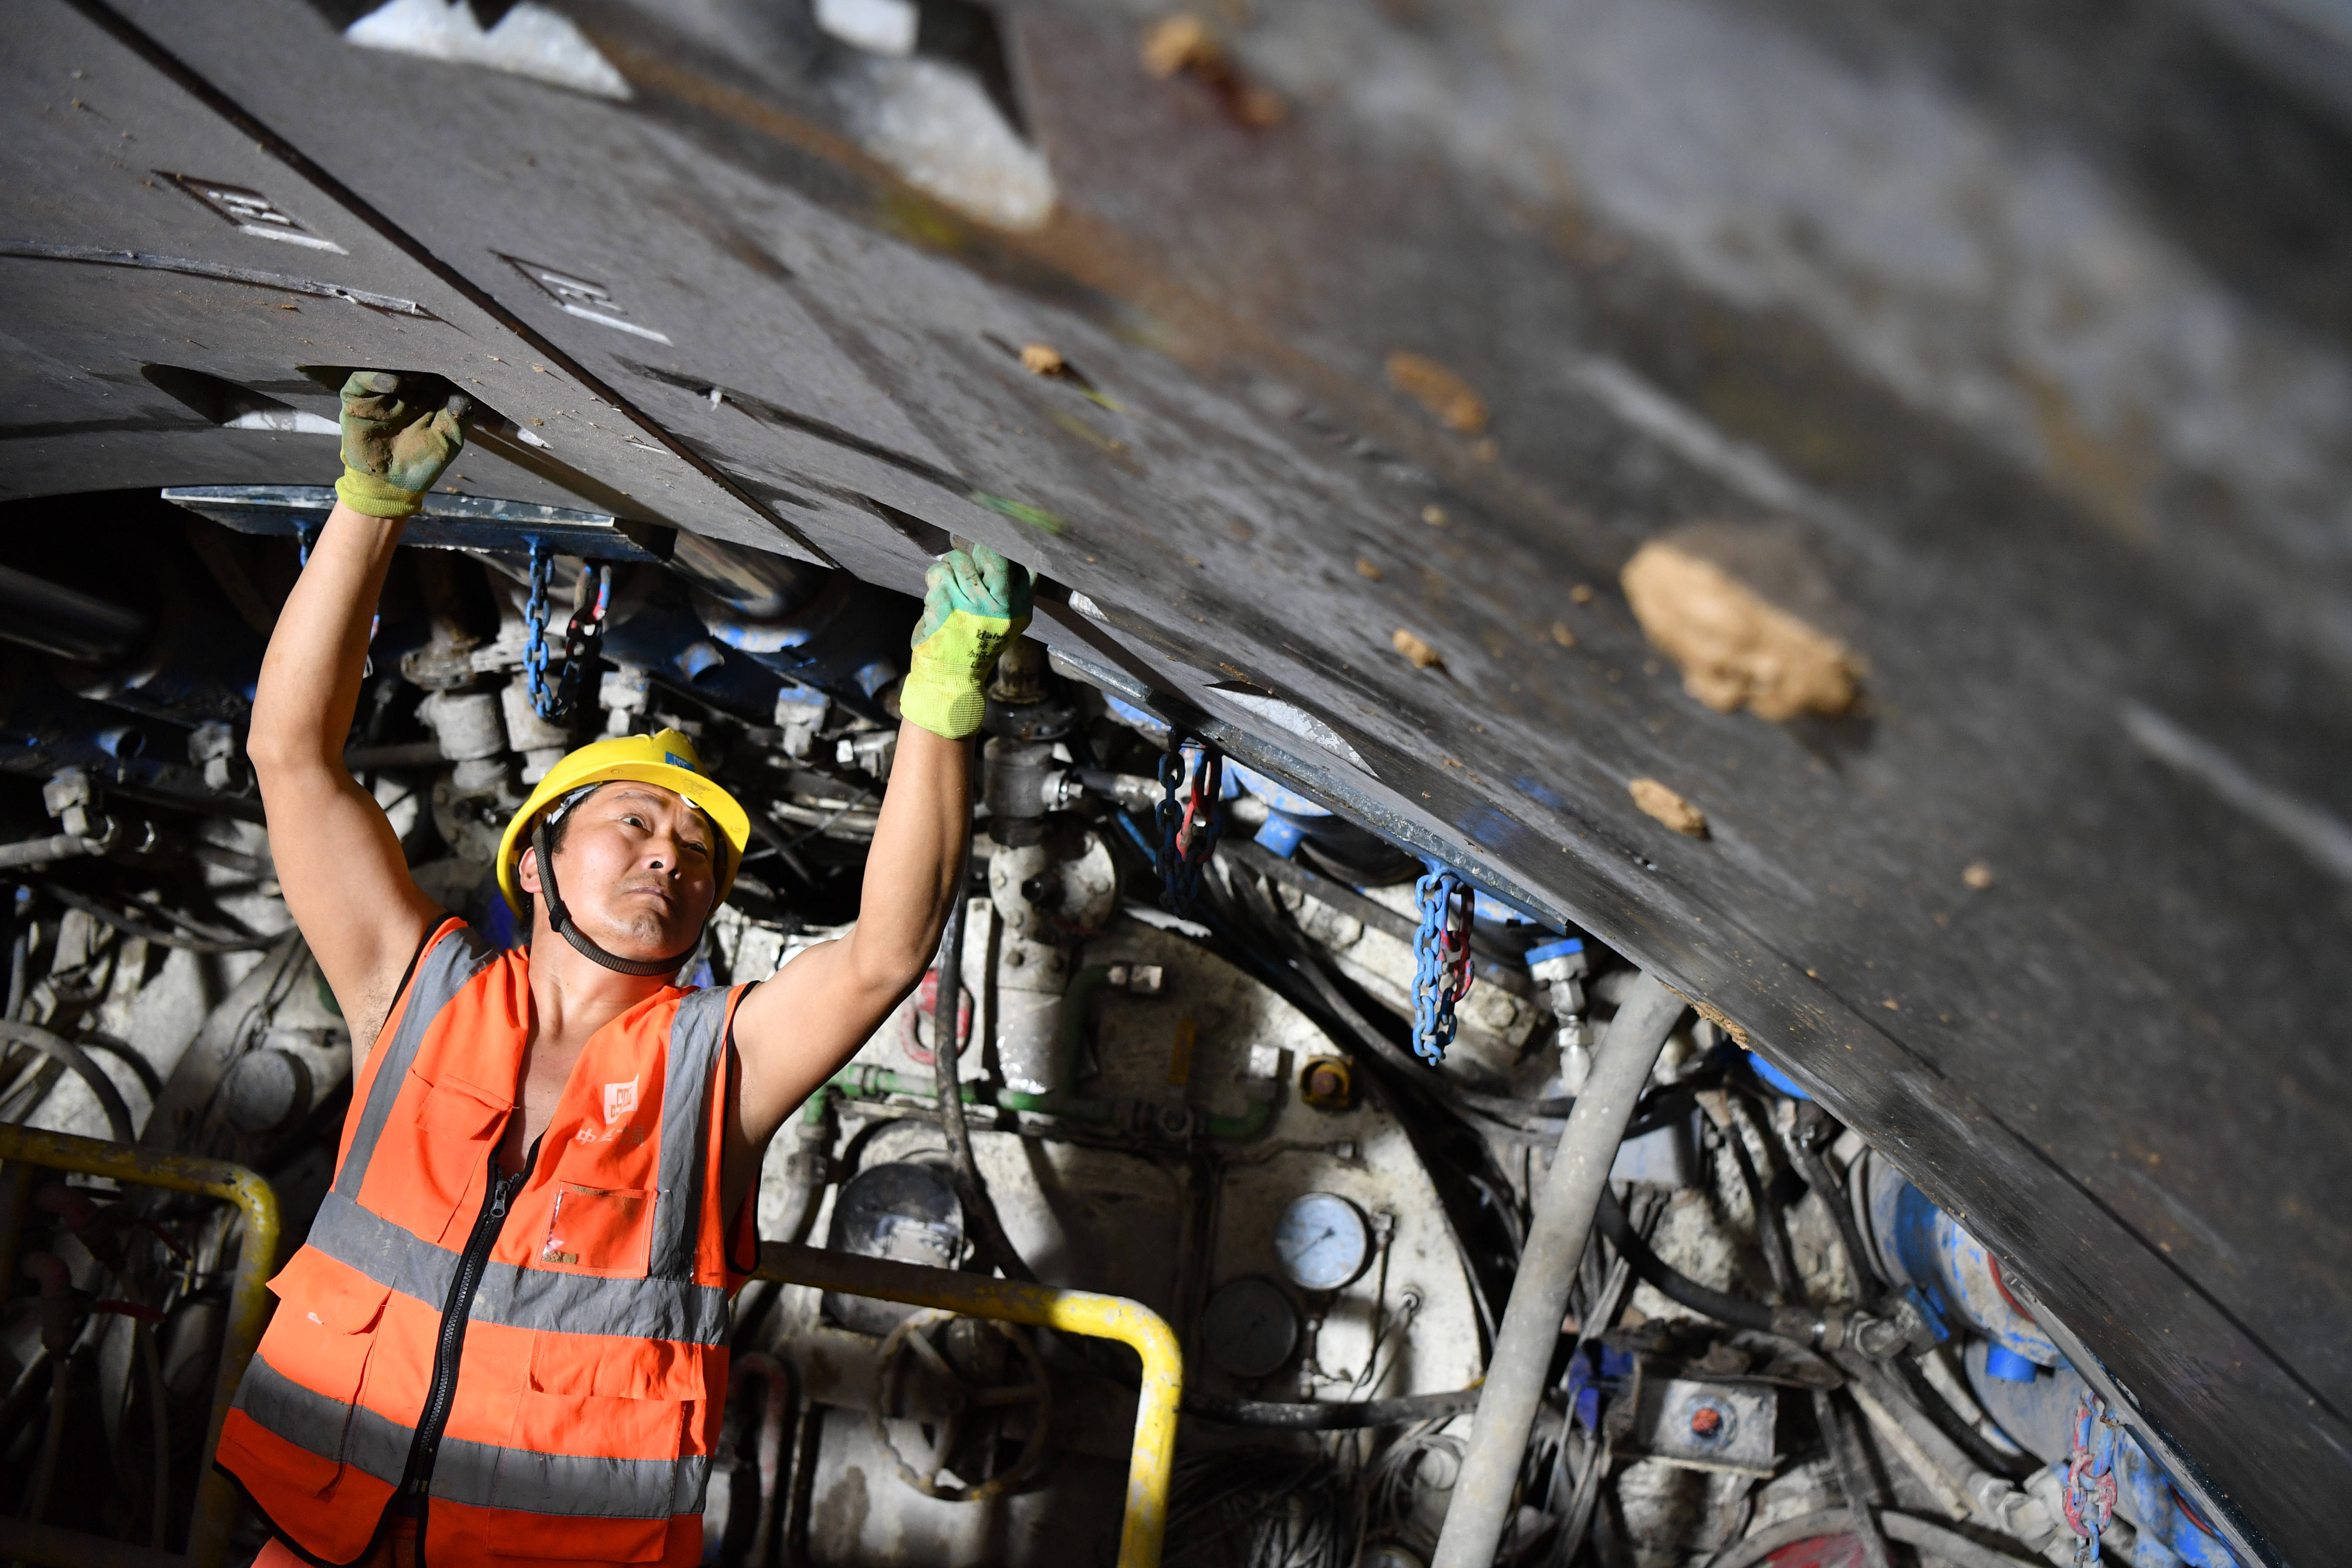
(1322, 1241)
(1249, 1327)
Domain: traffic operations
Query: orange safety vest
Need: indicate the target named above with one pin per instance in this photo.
(543, 1357)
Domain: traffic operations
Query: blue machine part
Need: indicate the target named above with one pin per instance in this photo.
(676, 647)
(1775, 1077)
(845, 638)
(1494, 911)
(1280, 834)
(2038, 1415)
(2006, 1365)
(1550, 950)
(1277, 796)
(1151, 729)
(1596, 1369)
(1957, 1281)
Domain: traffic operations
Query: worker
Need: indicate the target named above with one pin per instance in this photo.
(506, 1337)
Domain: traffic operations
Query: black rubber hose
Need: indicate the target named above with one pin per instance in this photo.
(1823, 1181)
(1655, 1272)
(1330, 1415)
(77, 1062)
(1769, 1235)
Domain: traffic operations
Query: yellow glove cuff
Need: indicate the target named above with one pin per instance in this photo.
(376, 496)
(945, 690)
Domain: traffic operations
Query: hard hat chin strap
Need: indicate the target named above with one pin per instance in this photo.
(560, 918)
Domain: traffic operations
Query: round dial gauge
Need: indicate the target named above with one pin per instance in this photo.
(1322, 1241)
(1249, 1327)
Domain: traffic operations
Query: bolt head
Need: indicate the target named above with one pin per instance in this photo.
(1705, 1421)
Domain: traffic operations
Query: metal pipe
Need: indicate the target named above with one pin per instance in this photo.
(59, 620)
(256, 1257)
(1563, 1221)
(1132, 1323)
(41, 852)
(1332, 1414)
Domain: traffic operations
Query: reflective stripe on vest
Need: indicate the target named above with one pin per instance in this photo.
(587, 1397)
(476, 1473)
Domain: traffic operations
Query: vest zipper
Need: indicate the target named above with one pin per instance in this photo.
(454, 1315)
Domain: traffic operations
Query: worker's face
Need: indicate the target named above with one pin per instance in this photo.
(637, 868)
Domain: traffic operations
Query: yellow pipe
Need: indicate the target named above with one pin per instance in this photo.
(248, 1298)
(1039, 1306)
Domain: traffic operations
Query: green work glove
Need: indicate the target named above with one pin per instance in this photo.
(394, 446)
(972, 607)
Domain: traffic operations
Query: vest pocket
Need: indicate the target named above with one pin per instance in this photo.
(317, 1342)
(457, 1110)
(599, 1230)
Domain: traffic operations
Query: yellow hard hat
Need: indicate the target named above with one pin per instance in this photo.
(666, 758)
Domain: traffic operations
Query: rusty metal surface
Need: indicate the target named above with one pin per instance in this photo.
(2011, 353)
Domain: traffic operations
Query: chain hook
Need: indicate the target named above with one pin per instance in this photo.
(1441, 960)
(2089, 1495)
(583, 635)
(1188, 833)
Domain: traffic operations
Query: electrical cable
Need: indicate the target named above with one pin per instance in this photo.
(76, 1061)
(129, 927)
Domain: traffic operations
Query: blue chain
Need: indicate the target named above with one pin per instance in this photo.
(1441, 961)
(547, 704)
(1188, 832)
(2089, 1497)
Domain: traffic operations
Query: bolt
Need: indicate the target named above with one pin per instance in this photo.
(1705, 1421)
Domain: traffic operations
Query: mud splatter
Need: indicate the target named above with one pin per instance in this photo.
(1667, 806)
(1417, 652)
(1733, 649)
(1446, 395)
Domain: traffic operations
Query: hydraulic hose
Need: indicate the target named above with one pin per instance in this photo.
(1563, 1222)
(946, 1075)
(1823, 1181)
(1661, 1276)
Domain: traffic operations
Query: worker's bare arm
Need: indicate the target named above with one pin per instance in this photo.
(795, 1030)
(345, 879)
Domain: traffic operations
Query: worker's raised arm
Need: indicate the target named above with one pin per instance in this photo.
(795, 1030)
(338, 860)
